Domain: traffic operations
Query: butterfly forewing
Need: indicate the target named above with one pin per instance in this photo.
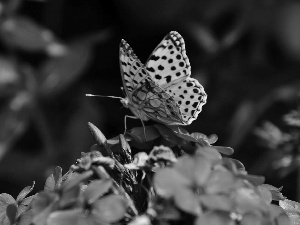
(168, 63)
(132, 70)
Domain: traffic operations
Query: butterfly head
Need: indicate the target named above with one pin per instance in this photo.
(125, 102)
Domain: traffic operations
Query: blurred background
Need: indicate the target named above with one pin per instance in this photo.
(246, 54)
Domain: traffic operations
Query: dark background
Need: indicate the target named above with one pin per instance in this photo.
(246, 54)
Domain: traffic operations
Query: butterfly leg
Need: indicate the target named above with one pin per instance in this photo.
(134, 117)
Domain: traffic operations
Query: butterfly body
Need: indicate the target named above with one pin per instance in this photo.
(161, 90)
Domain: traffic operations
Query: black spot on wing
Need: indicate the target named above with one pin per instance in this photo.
(151, 69)
(195, 104)
(189, 85)
(160, 67)
(168, 78)
(154, 58)
(158, 77)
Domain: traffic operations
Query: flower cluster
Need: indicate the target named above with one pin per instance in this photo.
(183, 180)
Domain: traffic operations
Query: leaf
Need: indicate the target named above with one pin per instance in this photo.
(276, 192)
(42, 201)
(42, 205)
(26, 218)
(167, 133)
(24, 33)
(50, 183)
(100, 139)
(23, 206)
(126, 150)
(224, 150)
(182, 133)
(24, 193)
(292, 209)
(110, 208)
(54, 180)
(69, 196)
(76, 180)
(138, 134)
(265, 194)
(96, 189)
(5, 199)
(11, 212)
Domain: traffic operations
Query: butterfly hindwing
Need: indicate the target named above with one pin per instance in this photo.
(190, 96)
(168, 63)
(156, 103)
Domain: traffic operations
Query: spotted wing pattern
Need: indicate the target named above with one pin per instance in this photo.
(168, 63)
(190, 96)
(132, 70)
(163, 89)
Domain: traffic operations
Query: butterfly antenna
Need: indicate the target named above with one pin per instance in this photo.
(102, 96)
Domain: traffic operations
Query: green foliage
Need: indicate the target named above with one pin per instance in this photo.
(186, 180)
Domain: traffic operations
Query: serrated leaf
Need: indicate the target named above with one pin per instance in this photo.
(276, 192)
(96, 189)
(50, 183)
(25, 192)
(5, 200)
(110, 208)
(23, 206)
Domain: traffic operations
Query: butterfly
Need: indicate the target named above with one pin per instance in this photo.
(162, 89)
